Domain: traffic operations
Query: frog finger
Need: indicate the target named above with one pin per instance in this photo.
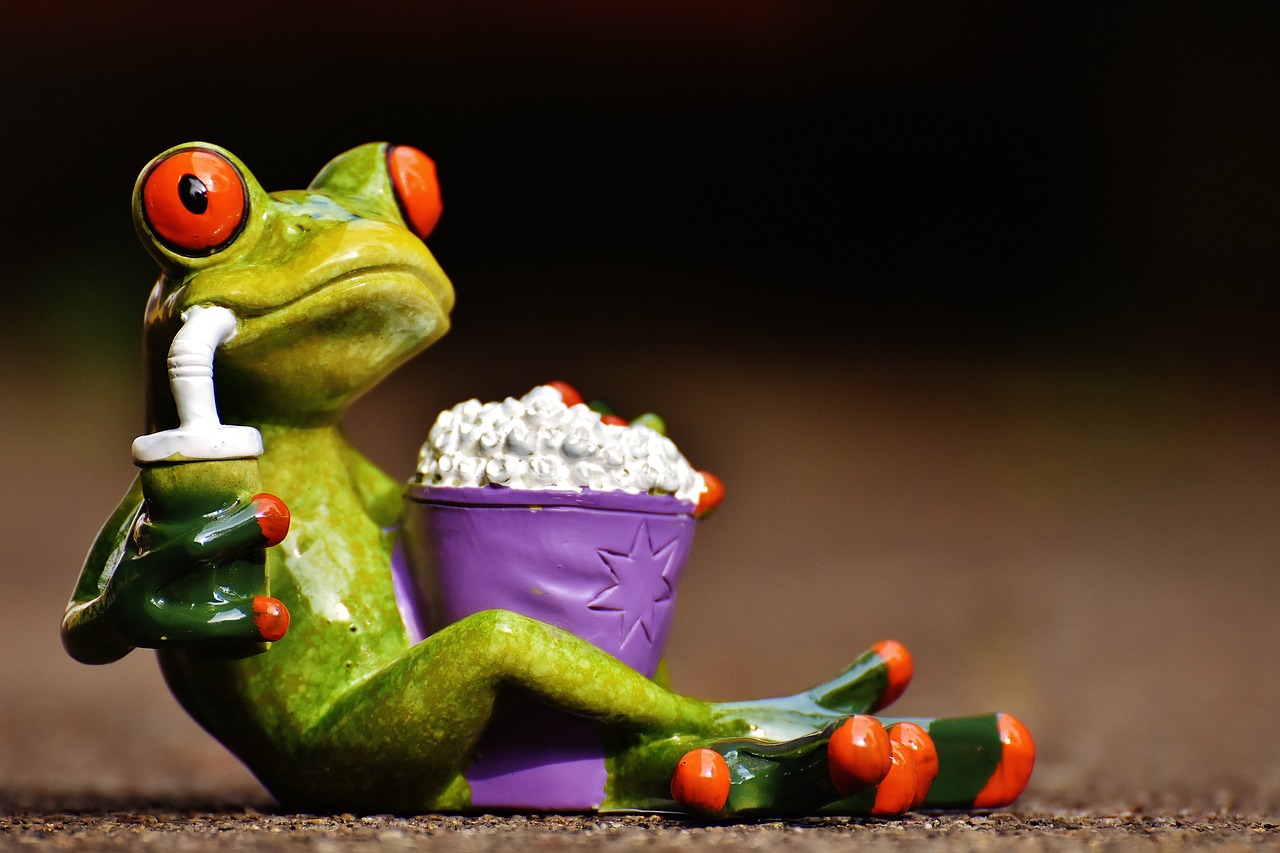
(260, 522)
(1017, 759)
(176, 620)
(235, 639)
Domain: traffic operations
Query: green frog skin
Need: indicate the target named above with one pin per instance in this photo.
(332, 288)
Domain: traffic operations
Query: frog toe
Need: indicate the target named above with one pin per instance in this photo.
(896, 794)
(1013, 772)
(700, 783)
(859, 754)
(872, 682)
(923, 751)
(898, 670)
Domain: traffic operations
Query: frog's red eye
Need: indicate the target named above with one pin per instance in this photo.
(413, 174)
(194, 200)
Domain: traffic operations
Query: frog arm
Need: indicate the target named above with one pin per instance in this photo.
(381, 495)
(87, 636)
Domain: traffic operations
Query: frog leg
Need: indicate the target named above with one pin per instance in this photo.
(400, 739)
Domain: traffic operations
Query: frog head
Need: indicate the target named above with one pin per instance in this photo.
(332, 287)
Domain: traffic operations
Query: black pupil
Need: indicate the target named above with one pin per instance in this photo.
(194, 194)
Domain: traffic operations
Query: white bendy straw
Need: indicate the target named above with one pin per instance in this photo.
(200, 434)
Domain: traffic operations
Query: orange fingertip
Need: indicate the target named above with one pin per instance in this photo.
(923, 752)
(1017, 759)
(896, 793)
(859, 754)
(898, 671)
(273, 518)
(271, 617)
(701, 781)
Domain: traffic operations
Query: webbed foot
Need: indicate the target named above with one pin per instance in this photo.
(819, 752)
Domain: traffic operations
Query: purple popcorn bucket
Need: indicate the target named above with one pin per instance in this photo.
(601, 565)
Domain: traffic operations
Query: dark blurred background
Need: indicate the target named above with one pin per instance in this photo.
(972, 175)
(1009, 268)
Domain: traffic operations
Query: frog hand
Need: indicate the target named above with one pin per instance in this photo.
(192, 583)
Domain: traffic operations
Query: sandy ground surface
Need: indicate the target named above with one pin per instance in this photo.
(1090, 546)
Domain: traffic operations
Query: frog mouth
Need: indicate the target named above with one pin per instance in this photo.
(408, 288)
(441, 295)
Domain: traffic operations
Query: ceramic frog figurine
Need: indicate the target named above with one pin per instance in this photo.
(329, 289)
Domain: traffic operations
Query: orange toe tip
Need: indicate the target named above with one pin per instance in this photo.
(898, 668)
(270, 617)
(701, 781)
(923, 752)
(1013, 772)
(896, 793)
(859, 754)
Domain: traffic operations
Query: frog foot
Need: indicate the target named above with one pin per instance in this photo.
(857, 762)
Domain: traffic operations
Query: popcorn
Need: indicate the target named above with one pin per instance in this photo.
(539, 443)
